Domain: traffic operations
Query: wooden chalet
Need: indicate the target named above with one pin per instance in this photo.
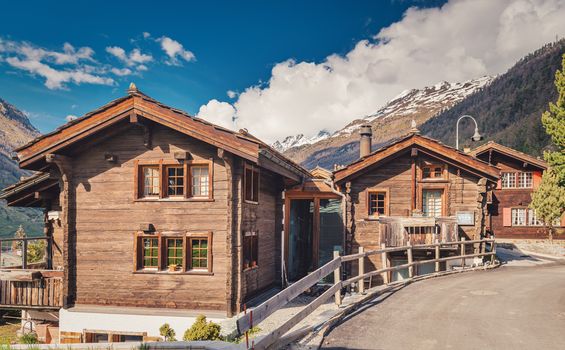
(520, 174)
(414, 190)
(152, 216)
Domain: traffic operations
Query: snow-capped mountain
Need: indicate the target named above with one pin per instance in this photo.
(391, 120)
(299, 140)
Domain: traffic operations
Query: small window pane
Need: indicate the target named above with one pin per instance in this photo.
(248, 184)
(200, 181)
(150, 251)
(377, 203)
(526, 180)
(250, 250)
(508, 180)
(175, 181)
(174, 251)
(150, 181)
(199, 253)
(518, 216)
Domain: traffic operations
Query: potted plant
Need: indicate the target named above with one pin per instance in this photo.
(173, 267)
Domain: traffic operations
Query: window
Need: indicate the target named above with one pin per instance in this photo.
(175, 253)
(508, 180)
(432, 172)
(250, 250)
(199, 253)
(518, 216)
(525, 180)
(172, 180)
(150, 253)
(199, 182)
(175, 180)
(378, 203)
(532, 218)
(432, 202)
(150, 181)
(251, 183)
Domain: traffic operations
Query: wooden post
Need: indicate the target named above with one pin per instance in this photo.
(410, 260)
(24, 254)
(384, 262)
(361, 271)
(462, 251)
(437, 255)
(493, 256)
(337, 279)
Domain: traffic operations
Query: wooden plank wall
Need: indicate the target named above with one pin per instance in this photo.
(264, 218)
(107, 216)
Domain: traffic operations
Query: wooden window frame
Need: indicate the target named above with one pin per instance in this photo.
(502, 184)
(431, 186)
(188, 254)
(370, 191)
(431, 166)
(254, 169)
(163, 177)
(188, 179)
(250, 234)
(519, 179)
(525, 209)
(162, 261)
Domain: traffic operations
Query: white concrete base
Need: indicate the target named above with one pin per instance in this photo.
(117, 319)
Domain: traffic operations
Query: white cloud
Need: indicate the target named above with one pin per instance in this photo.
(175, 51)
(146, 35)
(220, 113)
(464, 39)
(141, 68)
(121, 72)
(231, 94)
(135, 56)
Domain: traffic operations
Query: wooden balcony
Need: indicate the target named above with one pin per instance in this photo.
(26, 278)
(398, 231)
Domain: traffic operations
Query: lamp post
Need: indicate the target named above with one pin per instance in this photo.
(475, 137)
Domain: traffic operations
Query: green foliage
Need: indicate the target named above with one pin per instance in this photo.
(28, 338)
(549, 199)
(167, 332)
(20, 233)
(554, 122)
(251, 333)
(202, 330)
(36, 251)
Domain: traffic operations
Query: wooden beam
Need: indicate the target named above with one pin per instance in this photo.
(19, 275)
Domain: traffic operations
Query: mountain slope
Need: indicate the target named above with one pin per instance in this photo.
(390, 121)
(15, 130)
(509, 109)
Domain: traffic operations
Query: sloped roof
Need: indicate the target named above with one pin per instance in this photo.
(240, 143)
(425, 144)
(510, 152)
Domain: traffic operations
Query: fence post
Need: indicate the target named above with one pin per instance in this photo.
(493, 250)
(437, 255)
(24, 254)
(410, 261)
(361, 282)
(384, 262)
(462, 252)
(337, 280)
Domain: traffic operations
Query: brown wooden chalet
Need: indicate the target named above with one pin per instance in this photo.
(148, 207)
(414, 190)
(520, 174)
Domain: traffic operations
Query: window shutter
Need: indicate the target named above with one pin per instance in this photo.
(499, 183)
(537, 178)
(506, 217)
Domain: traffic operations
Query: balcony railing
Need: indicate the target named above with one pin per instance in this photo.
(27, 280)
(398, 231)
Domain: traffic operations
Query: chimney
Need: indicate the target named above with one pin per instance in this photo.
(365, 143)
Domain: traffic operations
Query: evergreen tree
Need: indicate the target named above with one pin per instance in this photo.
(554, 123)
(549, 199)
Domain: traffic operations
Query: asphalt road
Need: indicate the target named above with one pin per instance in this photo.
(512, 307)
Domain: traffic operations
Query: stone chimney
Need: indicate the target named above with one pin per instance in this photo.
(365, 143)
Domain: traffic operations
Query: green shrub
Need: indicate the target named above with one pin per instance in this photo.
(202, 330)
(167, 332)
(28, 338)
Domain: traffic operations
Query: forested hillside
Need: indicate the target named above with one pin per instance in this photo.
(509, 109)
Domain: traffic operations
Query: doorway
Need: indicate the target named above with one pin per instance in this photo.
(301, 238)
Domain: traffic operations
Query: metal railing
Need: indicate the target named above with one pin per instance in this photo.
(26, 253)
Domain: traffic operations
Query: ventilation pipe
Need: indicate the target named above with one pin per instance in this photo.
(365, 144)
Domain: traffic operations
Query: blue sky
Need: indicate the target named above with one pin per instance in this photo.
(262, 51)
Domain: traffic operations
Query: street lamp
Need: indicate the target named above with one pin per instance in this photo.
(475, 137)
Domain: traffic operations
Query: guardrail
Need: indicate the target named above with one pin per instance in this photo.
(17, 254)
(264, 310)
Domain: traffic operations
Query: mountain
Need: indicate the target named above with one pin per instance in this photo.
(299, 140)
(15, 130)
(390, 121)
(509, 110)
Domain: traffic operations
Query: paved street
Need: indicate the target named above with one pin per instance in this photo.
(517, 306)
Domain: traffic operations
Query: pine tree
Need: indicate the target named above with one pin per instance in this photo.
(549, 199)
(20, 233)
(554, 123)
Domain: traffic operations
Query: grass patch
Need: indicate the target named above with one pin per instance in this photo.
(8, 333)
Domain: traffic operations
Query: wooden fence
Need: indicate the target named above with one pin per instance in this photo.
(262, 311)
(44, 293)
